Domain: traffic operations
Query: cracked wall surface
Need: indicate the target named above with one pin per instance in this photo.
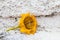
(48, 12)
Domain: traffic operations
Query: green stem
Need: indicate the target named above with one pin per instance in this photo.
(12, 28)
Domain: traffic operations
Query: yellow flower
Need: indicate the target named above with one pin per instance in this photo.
(28, 23)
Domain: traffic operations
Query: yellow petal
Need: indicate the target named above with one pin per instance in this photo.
(28, 23)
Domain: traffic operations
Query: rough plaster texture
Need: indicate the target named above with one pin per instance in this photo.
(49, 28)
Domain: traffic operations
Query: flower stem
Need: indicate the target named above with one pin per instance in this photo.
(12, 28)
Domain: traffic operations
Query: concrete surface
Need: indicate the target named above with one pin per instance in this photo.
(49, 28)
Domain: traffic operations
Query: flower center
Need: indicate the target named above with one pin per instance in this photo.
(28, 22)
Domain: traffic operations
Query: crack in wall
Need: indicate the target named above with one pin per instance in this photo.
(50, 15)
